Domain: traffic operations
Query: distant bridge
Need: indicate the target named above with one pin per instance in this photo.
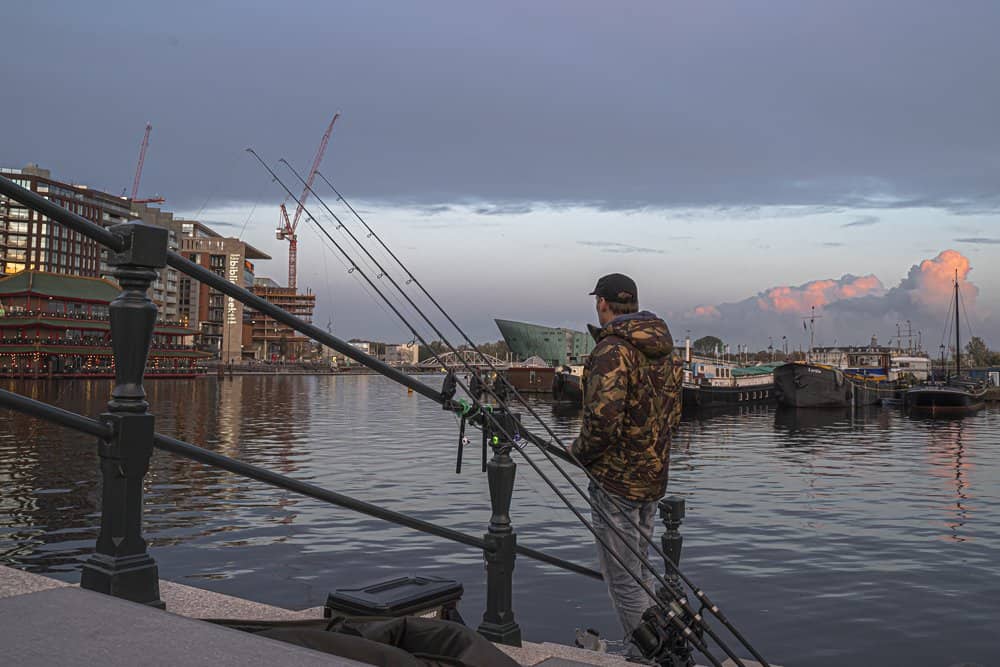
(459, 360)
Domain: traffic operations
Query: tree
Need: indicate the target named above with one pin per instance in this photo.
(498, 349)
(427, 351)
(979, 355)
(708, 345)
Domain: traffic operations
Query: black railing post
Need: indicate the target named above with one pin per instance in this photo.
(121, 566)
(657, 637)
(672, 515)
(498, 620)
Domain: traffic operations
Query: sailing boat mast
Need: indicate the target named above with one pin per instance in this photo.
(958, 339)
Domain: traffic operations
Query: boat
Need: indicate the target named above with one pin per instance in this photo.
(801, 384)
(957, 395)
(835, 377)
(531, 379)
(728, 386)
(953, 398)
(567, 384)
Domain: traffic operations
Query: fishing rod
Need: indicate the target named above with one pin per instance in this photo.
(698, 592)
(668, 615)
(371, 233)
(681, 601)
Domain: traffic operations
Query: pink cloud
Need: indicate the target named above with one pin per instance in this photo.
(818, 293)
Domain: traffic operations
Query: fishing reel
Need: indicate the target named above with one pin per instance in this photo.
(501, 430)
(661, 640)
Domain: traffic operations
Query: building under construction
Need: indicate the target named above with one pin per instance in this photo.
(266, 339)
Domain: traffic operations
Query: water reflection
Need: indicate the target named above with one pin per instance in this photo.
(949, 465)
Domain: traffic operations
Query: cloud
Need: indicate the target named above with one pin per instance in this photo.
(504, 209)
(704, 312)
(434, 209)
(852, 308)
(863, 221)
(448, 224)
(685, 147)
(926, 289)
(978, 240)
(775, 311)
(832, 244)
(815, 294)
(622, 248)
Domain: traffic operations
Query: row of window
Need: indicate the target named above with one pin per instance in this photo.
(21, 241)
(754, 395)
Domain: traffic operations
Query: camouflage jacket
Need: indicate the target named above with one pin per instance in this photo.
(631, 401)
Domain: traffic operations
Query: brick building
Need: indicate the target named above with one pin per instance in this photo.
(28, 240)
(219, 318)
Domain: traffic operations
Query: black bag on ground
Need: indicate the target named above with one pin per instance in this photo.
(408, 641)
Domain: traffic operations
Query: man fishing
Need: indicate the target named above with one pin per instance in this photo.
(631, 400)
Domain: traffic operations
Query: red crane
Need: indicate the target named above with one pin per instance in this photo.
(138, 170)
(286, 226)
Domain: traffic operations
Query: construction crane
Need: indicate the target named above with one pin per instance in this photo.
(138, 170)
(286, 225)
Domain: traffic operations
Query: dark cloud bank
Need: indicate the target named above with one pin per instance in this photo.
(665, 104)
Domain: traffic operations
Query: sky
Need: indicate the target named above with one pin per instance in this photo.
(744, 162)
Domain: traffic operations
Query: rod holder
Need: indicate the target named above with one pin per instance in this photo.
(121, 566)
(498, 623)
(657, 636)
(672, 514)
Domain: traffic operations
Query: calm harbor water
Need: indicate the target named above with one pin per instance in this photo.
(829, 538)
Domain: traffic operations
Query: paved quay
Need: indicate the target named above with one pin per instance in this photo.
(44, 621)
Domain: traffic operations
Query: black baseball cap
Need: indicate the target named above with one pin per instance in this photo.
(616, 287)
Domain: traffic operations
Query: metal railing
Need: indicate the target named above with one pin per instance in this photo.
(121, 564)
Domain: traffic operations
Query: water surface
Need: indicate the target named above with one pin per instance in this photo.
(829, 538)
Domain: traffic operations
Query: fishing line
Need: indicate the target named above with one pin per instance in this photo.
(347, 269)
(245, 222)
(218, 186)
(682, 601)
(700, 594)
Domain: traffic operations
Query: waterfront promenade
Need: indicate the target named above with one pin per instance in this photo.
(45, 621)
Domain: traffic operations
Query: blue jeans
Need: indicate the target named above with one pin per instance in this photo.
(627, 596)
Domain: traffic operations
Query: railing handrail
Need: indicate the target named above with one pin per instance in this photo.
(104, 431)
